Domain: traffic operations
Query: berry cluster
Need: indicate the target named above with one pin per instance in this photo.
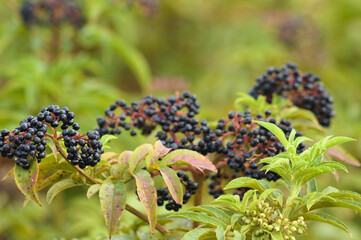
(29, 139)
(52, 12)
(262, 221)
(303, 89)
(237, 144)
(241, 143)
(174, 114)
(190, 189)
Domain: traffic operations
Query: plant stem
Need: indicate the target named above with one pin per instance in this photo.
(199, 178)
(160, 228)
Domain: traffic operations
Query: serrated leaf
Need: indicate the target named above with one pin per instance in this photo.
(345, 194)
(192, 158)
(266, 193)
(229, 201)
(327, 218)
(276, 235)
(26, 180)
(221, 233)
(199, 217)
(275, 130)
(332, 165)
(174, 185)
(338, 203)
(213, 211)
(158, 151)
(93, 189)
(239, 236)
(58, 187)
(336, 141)
(281, 166)
(147, 195)
(138, 155)
(112, 197)
(196, 233)
(312, 186)
(244, 182)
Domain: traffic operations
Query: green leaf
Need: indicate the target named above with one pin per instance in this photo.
(196, 233)
(58, 187)
(213, 211)
(280, 166)
(138, 155)
(93, 189)
(312, 186)
(192, 158)
(326, 203)
(158, 151)
(26, 180)
(43, 183)
(246, 196)
(229, 201)
(244, 182)
(345, 194)
(112, 197)
(199, 217)
(327, 218)
(235, 218)
(221, 233)
(336, 141)
(300, 140)
(174, 185)
(266, 193)
(239, 236)
(332, 165)
(276, 235)
(148, 196)
(275, 130)
(107, 138)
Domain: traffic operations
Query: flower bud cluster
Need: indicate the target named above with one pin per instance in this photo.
(263, 218)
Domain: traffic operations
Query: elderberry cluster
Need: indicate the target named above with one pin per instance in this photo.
(303, 89)
(174, 114)
(29, 139)
(243, 143)
(52, 12)
(190, 189)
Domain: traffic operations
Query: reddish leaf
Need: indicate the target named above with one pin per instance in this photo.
(123, 161)
(26, 180)
(139, 155)
(112, 197)
(158, 151)
(342, 155)
(148, 196)
(109, 156)
(189, 157)
(174, 185)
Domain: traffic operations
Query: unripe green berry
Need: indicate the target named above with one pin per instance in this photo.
(244, 218)
(293, 229)
(254, 213)
(300, 231)
(278, 221)
(262, 215)
(270, 227)
(286, 221)
(277, 229)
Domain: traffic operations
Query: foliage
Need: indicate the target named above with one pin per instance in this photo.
(270, 211)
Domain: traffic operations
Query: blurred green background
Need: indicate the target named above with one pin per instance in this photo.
(129, 48)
